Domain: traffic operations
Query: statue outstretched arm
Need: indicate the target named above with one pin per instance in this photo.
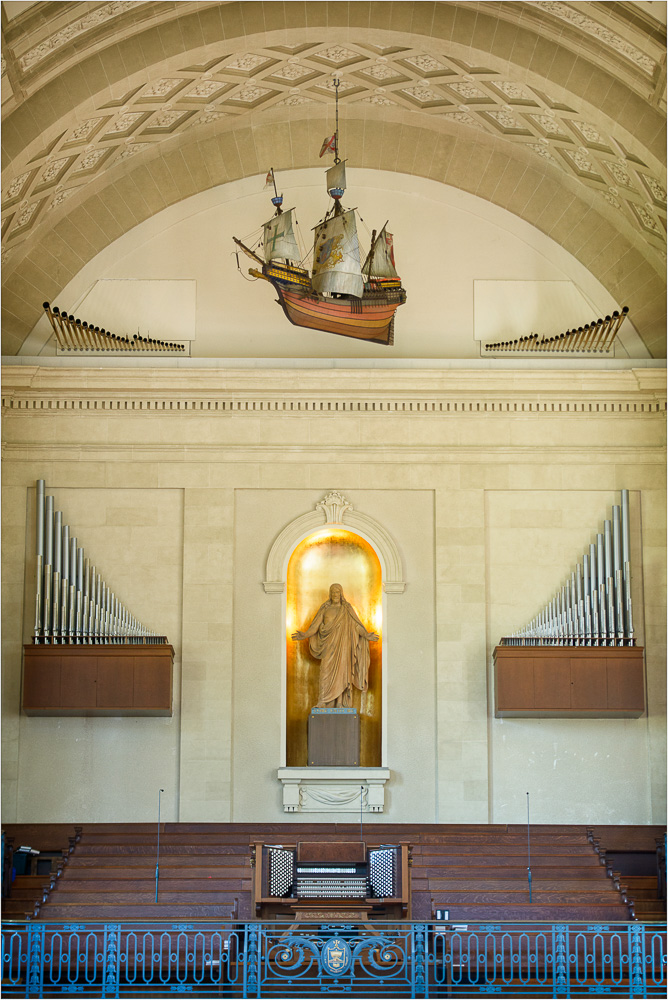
(312, 629)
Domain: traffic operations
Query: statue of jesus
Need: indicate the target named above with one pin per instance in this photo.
(339, 640)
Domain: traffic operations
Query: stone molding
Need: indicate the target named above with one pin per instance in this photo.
(333, 789)
(339, 512)
(354, 390)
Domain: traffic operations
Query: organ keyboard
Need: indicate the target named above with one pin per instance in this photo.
(332, 882)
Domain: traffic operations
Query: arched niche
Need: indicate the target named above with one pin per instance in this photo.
(334, 790)
(332, 554)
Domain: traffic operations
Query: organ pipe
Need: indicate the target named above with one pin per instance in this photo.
(73, 605)
(74, 335)
(596, 337)
(593, 606)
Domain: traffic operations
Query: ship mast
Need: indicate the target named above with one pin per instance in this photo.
(337, 192)
(337, 84)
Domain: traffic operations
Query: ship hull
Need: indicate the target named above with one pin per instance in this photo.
(370, 318)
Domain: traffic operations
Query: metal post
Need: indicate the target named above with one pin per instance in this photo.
(528, 848)
(157, 856)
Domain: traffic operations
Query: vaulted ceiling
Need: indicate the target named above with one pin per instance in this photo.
(113, 111)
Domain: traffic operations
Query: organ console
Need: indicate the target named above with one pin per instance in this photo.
(331, 881)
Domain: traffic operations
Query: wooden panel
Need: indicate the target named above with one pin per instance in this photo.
(515, 684)
(334, 738)
(152, 681)
(119, 679)
(575, 681)
(41, 683)
(78, 682)
(345, 851)
(626, 683)
(589, 687)
(552, 683)
(115, 681)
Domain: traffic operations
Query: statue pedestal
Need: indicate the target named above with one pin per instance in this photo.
(333, 737)
(334, 790)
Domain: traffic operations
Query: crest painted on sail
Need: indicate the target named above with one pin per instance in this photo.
(330, 252)
(336, 957)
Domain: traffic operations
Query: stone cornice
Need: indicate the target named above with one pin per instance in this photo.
(283, 391)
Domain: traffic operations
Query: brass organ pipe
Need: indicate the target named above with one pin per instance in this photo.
(86, 335)
(618, 319)
(71, 326)
(54, 325)
(63, 329)
(67, 331)
(39, 553)
(602, 333)
(591, 329)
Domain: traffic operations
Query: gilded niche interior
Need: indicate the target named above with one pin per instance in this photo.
(332, 555)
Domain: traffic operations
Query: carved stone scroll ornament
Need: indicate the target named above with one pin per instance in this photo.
(334, 506)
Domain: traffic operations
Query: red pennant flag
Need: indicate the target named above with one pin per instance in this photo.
(329, 145)
(269, 180)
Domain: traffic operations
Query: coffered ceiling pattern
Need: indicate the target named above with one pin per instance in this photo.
(603, 153)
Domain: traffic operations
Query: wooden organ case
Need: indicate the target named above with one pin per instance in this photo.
(331, 881)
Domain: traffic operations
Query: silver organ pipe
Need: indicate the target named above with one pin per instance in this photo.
(73, 605)
(39, 555)
(593, 606)
(48, 566)
(55, 586)
(65, 581)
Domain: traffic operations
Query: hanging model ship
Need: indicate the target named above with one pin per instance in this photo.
(339, 295)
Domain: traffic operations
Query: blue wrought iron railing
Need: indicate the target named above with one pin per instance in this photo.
(381, 960)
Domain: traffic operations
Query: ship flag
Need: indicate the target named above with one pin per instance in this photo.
(328, 145)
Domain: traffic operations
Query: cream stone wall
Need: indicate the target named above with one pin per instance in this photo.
(490, 484)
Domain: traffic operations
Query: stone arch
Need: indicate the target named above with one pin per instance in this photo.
(334, 509)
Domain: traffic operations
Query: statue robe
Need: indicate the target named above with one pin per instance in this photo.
(343, 650)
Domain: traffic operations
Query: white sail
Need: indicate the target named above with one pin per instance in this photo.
(336, 257)
(380, 260)
(279, 238)
(336, 176)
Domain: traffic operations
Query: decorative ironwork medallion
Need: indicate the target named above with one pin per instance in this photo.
(336, 957)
